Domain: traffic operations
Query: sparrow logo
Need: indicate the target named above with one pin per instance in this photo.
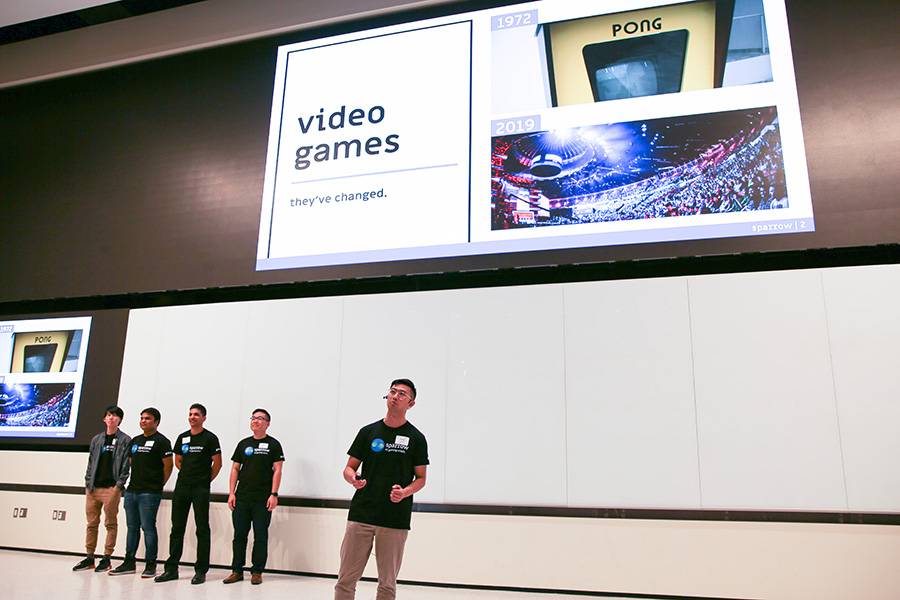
(185, 448)
(134, 449)
(377, 445)
(248, 450)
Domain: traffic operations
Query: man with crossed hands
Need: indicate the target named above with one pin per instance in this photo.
(253, 495)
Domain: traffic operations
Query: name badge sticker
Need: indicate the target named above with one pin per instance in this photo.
(264, 445)
(186, 439)
(402, 440)
(149, 443)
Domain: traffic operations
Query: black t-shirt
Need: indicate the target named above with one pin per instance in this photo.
(147, 454)
(105, 477)
(389, 456)
(256, 458)
(197, 452)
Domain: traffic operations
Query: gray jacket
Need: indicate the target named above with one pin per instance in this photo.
(121, 465)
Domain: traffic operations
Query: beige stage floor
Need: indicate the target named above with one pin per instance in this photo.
(35, 576)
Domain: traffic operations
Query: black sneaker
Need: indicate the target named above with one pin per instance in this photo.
(85, 564)
(166, 575)
(103, 565)
(124, 569)
(149, 570)
(198, 578)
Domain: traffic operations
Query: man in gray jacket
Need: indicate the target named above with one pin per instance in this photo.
(107, 472)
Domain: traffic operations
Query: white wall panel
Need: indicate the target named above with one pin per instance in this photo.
(576, 394)
(44, 468)
(631, 433)
(386, 337)
(201, 358)
(767, 421)
(292, 369)
(864, 325)
(140, 367)
(506, 397)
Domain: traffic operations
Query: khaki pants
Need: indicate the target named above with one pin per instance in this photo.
(355, 551)
(106, 500)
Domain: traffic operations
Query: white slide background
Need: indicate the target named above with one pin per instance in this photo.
(769, 391)
(415, 88)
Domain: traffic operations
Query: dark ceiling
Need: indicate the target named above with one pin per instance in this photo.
(104, 13)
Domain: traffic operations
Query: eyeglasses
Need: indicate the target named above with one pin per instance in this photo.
(258, 419)
(401, 393)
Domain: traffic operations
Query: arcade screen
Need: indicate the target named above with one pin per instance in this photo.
(635, 67)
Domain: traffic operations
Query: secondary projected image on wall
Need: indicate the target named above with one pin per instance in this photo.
(41, 375)
(696, 165)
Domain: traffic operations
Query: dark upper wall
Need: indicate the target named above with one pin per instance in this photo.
(148, 176)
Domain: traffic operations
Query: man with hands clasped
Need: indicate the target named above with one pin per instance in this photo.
(253, 495)
(393, 455)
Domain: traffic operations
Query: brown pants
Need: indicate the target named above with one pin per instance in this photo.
(355, 551)
(106, 500)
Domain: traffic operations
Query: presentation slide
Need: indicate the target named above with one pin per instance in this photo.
(536, 126)
(41, 375)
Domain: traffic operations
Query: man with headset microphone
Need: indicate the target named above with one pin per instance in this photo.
(393, 455)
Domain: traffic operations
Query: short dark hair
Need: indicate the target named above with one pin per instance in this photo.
(153, 413)
(263, 411)
(116, 411)
(199, 407)
(408, 383)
